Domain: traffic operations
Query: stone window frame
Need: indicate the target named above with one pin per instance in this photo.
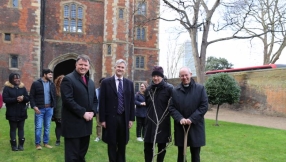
(140, 59)
(10, 61)
(7, 41)
(121, 15)
(136, 33)
(137, 84)
(107, 47)
(138, 10)
(63, 18)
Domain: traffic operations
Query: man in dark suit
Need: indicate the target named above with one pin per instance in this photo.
(79, 106)
(116, 112)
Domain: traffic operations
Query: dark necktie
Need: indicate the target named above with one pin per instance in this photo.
(120, 98)
(83, 79)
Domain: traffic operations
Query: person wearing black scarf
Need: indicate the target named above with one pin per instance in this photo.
(157, 97)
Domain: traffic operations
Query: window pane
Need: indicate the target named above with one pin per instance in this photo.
(79, 26)
(139, 8)
(143, 8)
(66, 25)
(7, 37)
(66, 11)
(73, 26)
(79, 15)
(138, 33)
(143, 34)
(109, 49)
(136, 87)
(14, 61)
(137, 61)
(121, 13)
(15, 3)
(142, 62)
(73, 11)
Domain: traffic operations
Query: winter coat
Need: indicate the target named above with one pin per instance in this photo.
(141, 110)
(191, 104)
(108, 104)
(37, 97)
(15, 111)
(78, 98)
(58, 109)
(161, 99)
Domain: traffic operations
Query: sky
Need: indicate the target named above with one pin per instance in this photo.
(241, 53)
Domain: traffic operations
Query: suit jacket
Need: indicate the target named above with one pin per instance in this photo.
(108, 104)
(77, 99)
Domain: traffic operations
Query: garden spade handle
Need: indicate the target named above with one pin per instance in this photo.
(185, 139)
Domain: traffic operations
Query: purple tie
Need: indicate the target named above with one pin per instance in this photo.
(120, 98)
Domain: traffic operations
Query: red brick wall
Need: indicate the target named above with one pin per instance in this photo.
(21, 23)
(101, 25)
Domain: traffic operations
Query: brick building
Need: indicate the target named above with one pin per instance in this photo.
(38, 34)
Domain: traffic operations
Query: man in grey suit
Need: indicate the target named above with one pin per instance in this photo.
(116, 112)
(79, 106)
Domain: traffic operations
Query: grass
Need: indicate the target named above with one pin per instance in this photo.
(229, 142)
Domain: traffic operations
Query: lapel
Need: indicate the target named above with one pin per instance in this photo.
(112, 84)
(124, 85)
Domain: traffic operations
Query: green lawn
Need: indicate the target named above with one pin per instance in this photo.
(229, 142)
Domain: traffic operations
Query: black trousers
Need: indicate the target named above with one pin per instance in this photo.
(148, 152)
(140, 126)
(116, 153)
(76, 148)
(195, 153)
(14, 125)
(58, 130)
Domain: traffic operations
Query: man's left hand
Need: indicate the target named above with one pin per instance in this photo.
(130, 124)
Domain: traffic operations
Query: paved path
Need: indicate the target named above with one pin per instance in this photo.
(229, 115)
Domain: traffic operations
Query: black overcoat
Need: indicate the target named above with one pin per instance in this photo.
(161, 99)
(108, 104)
(193, 105)
(15, 111)
(77, 98)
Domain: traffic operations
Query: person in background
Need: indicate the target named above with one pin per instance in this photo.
(116, 112)
(16, 97)
(157, 97)
(140, 112)
(79, 106)
(43, 101)
(57, 117)
(188, 106)
(98, 124)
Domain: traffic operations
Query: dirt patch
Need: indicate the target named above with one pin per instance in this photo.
(235, 116)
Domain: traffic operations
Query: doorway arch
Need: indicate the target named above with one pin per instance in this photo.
(65, 64)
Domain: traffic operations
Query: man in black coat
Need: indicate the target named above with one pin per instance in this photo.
(116, 112)
(79, 106)
(188, 106)
(43, 100)
(157, 116)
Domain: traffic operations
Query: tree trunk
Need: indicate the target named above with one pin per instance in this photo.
(216, 121)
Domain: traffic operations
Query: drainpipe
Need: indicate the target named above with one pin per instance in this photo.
(42, 34)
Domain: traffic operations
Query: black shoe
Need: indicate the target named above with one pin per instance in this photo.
(14, 145)
(58, 143)
(21, 144)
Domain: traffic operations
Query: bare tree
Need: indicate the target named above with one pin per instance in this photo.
(158, 121)
(196, 15)
(264, 16)
(174, 56)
